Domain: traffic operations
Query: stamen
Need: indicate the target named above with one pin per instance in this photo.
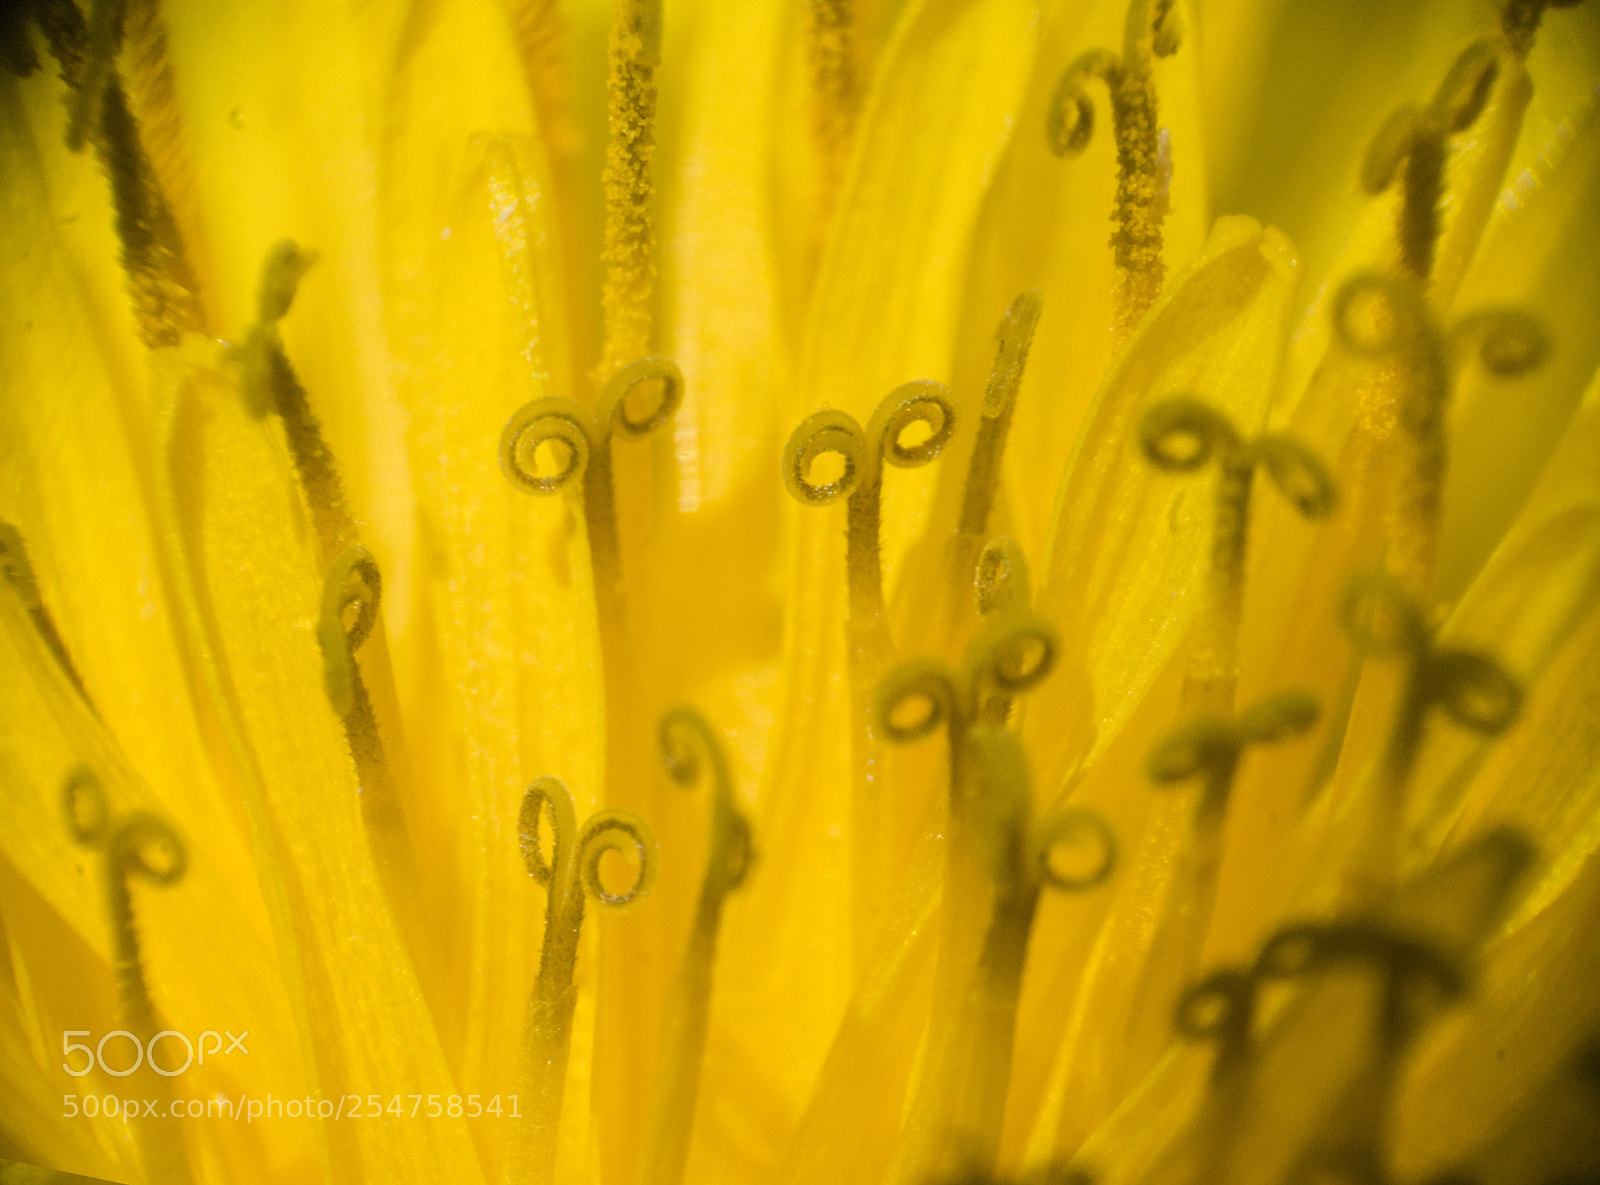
(1022, 855)
(572, 870)
(684, 737)
(1416, 137)
(634, 52)
(268, 383)
(16, 54)
(1154, 29)
(1470, 687)
(1378, 316)
(584, 447)
(1013, 340)
(1180, 436)
(104, 39)
(17, 570)
(160, 281)
(835, 92)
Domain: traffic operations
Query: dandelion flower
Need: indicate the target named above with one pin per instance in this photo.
(766, 593)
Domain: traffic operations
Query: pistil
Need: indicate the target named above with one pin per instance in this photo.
(572, 871)
(691, 751)
(1182, 435)
(1470, 687)
(862, 454)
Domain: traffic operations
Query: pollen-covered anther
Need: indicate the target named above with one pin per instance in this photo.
(833, 50)
(634, 52)
(160, 281)
(105, 38)
(1154, 29)
(1411, 144)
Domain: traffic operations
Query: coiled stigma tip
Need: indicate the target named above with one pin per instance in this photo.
(1471, 687)
(139, 844)
(574, 438)
(580, 852)
(1074, 849)
(1417, 974)
(351, 594)
(829, 432)
(1210, 747)
(558, 423)
(1003, 583)
(1070, 118)
(652, 373)
(1182, 434)
(684, 736)
(1220, 1007)
(1014, 653)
